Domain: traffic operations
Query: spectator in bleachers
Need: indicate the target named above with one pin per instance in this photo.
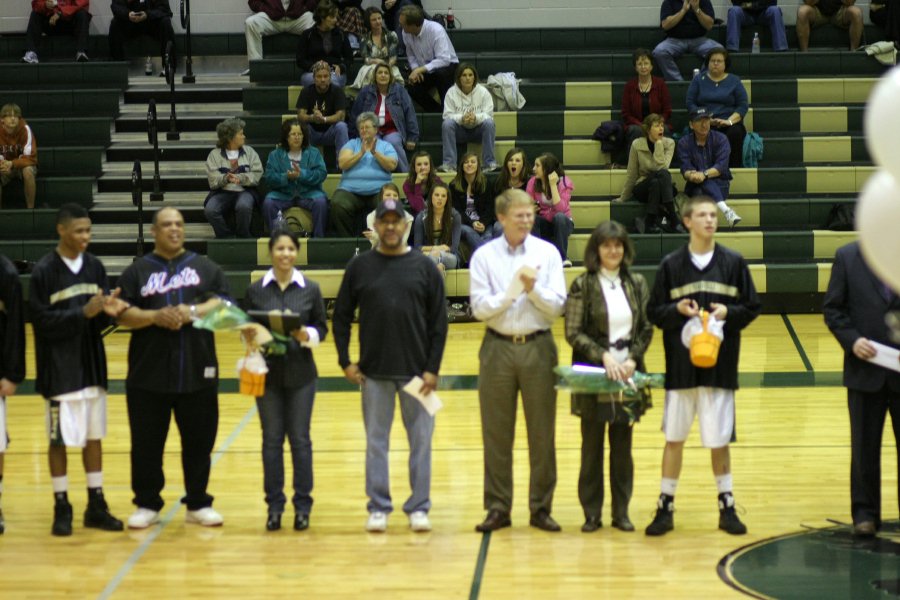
(512, 173)
(436, 230)
(389, 191)
(392, 105)
(840, 13)
(551, 191)
(323, 106)
(294, 173)
(703, 155)
(886, 15)
(378, 46)
(724, 96)
(58, 17)
(648, 179)
(133, 18)
(422, 176)
(686, 23)
(745, 13)
(350, 21)
(431, 58)
(275, 16)
(642, 96)
(366, 164)
(18, 152)
(391, 10)
(233, 170)
(468, 117)
(473, 199)
(324, 43)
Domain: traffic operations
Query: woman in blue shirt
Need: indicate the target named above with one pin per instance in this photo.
(724, 96)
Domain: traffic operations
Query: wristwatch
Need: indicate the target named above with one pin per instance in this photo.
(706, 173)
(193, 312)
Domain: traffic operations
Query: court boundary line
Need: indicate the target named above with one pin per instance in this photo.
(796, 339)
(132, 560)
(477, 577)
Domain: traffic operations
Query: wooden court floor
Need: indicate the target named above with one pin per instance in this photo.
(791, 467)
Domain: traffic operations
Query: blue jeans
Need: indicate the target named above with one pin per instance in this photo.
(224, 202)
(452, 133)
(475, 239)
(286, 412)
(716, 188)
(317, 205)
(670, 49)
(337, 135)
(378, 415)
(556, 231)
(338, 80)
(396, 141)
(738, 18)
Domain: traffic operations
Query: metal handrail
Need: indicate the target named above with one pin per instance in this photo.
(152, 135)
(186, 24)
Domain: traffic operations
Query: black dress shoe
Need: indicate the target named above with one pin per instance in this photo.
(543, 520)
(591, 524)
(864, 529)
(301, 522)
(495, 520)
(623, 523)
(273, 523)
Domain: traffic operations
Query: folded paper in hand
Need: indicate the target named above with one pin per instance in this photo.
(431, 402)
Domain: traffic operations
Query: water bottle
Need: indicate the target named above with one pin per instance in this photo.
(755, 47)
(696, 73)
(280, 222)
(451, 22)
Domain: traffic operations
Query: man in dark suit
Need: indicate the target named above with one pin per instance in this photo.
(855, 306)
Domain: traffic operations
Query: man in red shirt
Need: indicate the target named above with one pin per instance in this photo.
(18, 151)
(58, 17)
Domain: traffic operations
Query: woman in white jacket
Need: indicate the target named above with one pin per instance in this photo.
(468, 116)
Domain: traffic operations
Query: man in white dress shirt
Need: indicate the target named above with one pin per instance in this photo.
(432, 58)
(517, 288)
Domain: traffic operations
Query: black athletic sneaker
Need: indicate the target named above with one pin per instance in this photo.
(62, 518)
(663, 522)
(728, 519)
(97, 514)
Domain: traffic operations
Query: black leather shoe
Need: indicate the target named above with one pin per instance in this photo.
(495, 520)
(623, 523)
(864, 529)
(591, 524)
(543, 520)
(62, 519)
(301, 522)
(273, 523)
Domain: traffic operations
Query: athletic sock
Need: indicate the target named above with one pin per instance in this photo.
(724, 483)
(60, 484)
(722, 206)
(94, 480)
(668, 486)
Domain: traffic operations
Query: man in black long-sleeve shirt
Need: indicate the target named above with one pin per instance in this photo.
(402, 332)
(12, 348)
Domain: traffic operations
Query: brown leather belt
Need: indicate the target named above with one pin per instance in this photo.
(518, 339)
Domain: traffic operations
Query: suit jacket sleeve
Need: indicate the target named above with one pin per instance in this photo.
(836, 307)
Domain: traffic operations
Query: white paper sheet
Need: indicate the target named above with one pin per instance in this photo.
(516, 286)
(431, 402)
(886, 357)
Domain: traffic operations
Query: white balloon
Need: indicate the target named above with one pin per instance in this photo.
(882, 122)
(877, 219)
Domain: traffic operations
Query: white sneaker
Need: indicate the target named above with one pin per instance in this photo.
(245, 72)
(208, 517)
(732, 218)
(567, 263)
(446, 169)
(143, 518)
(31, 58)
(418, 521)
(148, 66)
(377, 522)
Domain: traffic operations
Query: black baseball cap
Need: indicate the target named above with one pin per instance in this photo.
(700, 113)
(389, 206)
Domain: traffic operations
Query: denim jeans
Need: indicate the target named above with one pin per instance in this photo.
(378, 414)
(337, 135)
(317, 205)
(475, 239)
(738, 18)
(556, 231)
(223, 202)
(670, 49)
(453, 133)
(396, 141)
(287, 412)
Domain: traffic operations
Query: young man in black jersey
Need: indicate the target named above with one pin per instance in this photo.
(402, 332)
(70, 307)
(172, 367)
(701, 275)
(12, 348)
